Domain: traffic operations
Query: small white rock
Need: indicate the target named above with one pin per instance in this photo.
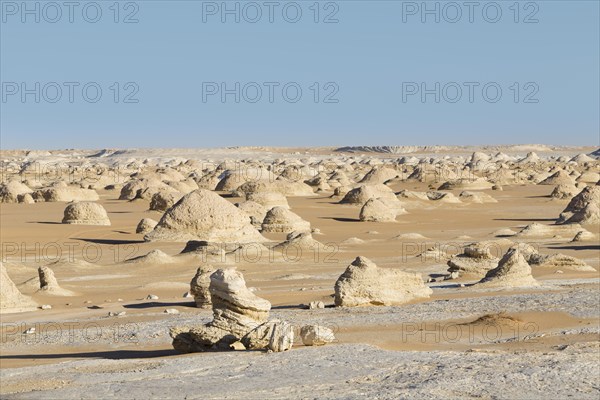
(152, 297)
(316, 304)
(316, 335)
(30, 331)
(46, 307)
(171, 311)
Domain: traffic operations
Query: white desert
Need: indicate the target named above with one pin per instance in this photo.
(385, 272)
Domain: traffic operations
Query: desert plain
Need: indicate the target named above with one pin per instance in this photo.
(356, 272)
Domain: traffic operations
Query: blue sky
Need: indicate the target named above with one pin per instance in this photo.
(369, 67)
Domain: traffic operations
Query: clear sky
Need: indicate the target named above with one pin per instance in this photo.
(371, 68)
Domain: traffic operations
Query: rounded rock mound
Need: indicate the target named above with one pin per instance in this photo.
(280, 219)
(204, 215)
(363, 283)
(376, 210)
(85, 213)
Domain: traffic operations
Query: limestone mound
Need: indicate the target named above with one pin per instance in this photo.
(564, 191)
(154, 257)
(583, 208)
(476, 259)
(379, 175)
(10, 191)
(65, 194)
(512, 271)
(558, 178)
(477, 197)
(204, 215)
(268, 199)
(145, 225)
(255, 211)
(11, 299)
(49, 285)
(436, 253)
(375, 210)
(540, 230)
(409, 236)
(363, 283)
(299, 240)
(559, 261)
(589, 177)
(85, 213)
(443, 197)
(364, 193)
(163, 200)
(584, 236)
(280, 219)
(143, 188)
(466, 183)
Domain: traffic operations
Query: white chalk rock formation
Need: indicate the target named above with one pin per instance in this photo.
(583, 208)
(268, 199)
(584, 236)
(163, 200)
(11, 299)
(375, 210)
(49, 284)
(364, 193)
(199, 286)
(564, 191)
(477, 197)
(512, 271)
(274, 335)
(363, 283)
(85, 213)
(206, 216)
(236, 312)
(558, 178)
(10, 192)
(280, 219)
(65, 194)
(379, 175)
(316, 335)
(540, 230)
(154, 257)
(476, 259)
(145, 225)
(255, 211)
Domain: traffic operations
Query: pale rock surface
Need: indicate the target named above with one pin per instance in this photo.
(316, 335)
(363, 283)
(274, 335)
(199, 286)
(85, 213)
(11, 299)
(154, 257)
(49, 284)
(204, 215)
(375, 210)
(236, 312)
(10, 191)
(477, 197)
(280, 219)
(512, 271)
(584, 208)
(145, 225)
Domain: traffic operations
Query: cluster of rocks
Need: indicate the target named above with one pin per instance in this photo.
(240, 318)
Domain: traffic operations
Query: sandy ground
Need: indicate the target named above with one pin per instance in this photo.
(461, 342)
